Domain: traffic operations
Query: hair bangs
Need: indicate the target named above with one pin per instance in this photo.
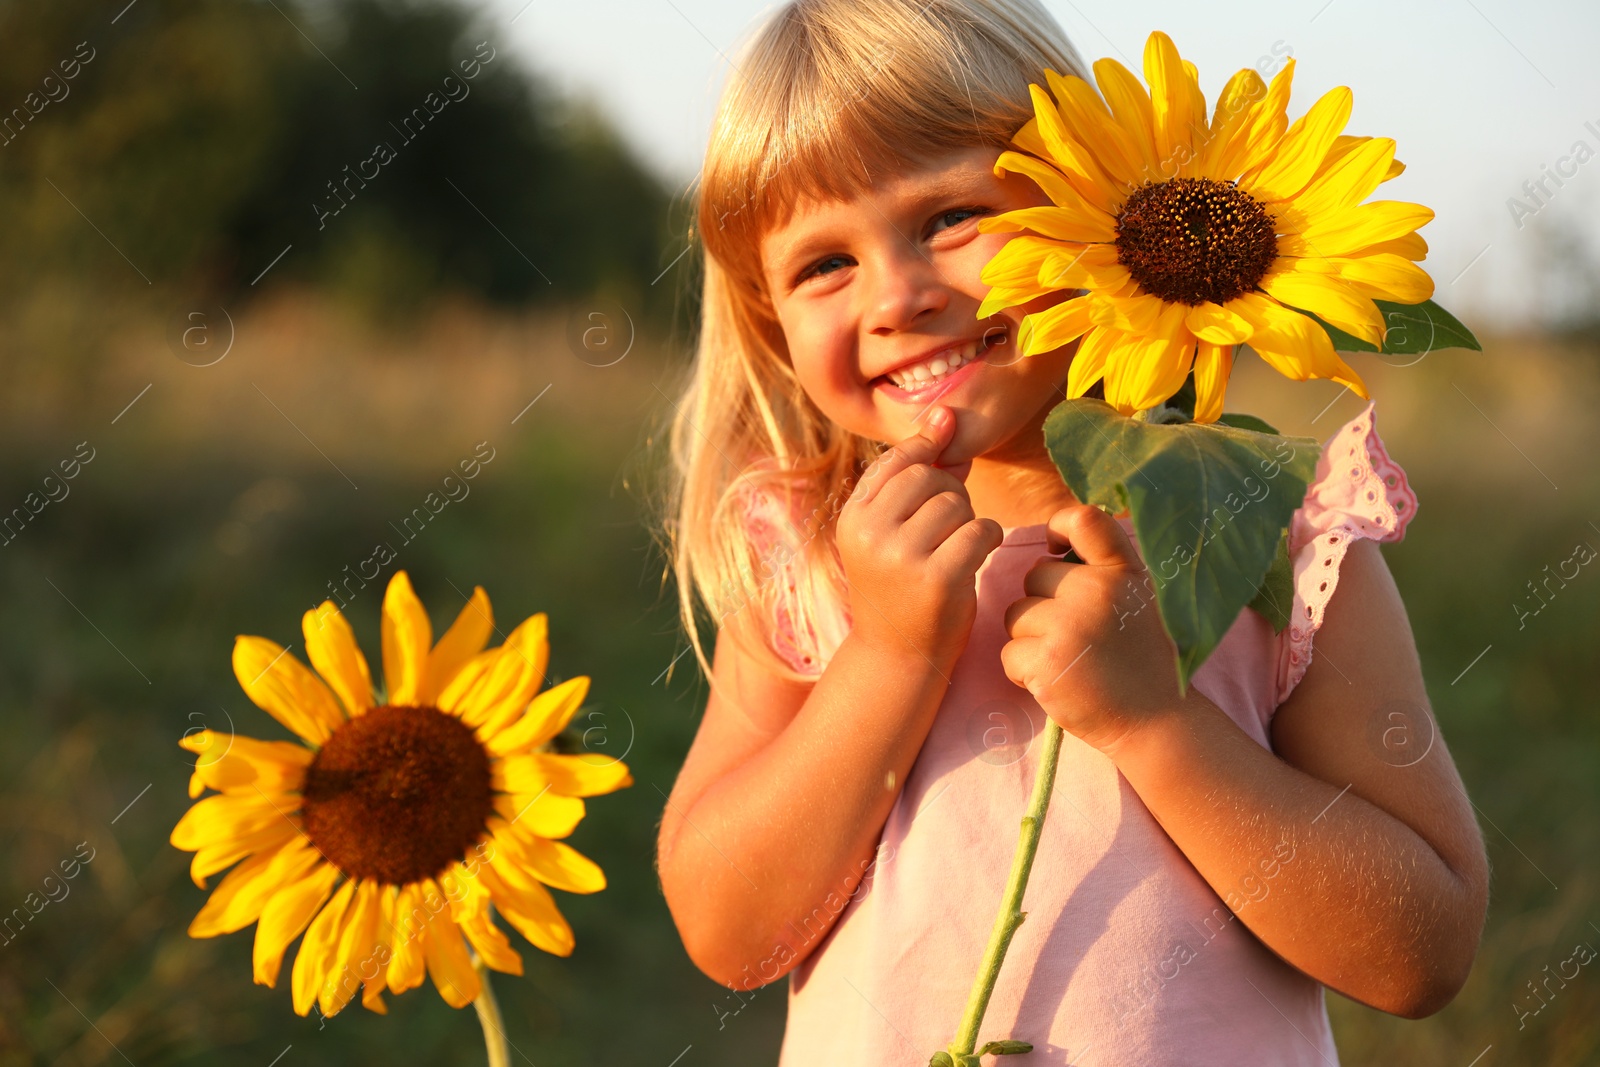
(835, 93)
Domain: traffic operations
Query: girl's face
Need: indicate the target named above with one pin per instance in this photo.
(878, 299)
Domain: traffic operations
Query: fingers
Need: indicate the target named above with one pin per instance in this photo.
(1021, 613)
(922, 447)
(913, 488)
(970, 545)
(1099, 539)
(1046, 577)
(939, 516)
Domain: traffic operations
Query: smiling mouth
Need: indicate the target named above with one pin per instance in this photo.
(938, 368)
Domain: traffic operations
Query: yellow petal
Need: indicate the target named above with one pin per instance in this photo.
(1292, 343)
(1019, 261)
(1171, 101)
(1075, 163)
(407, 638)
(240, 897)
(1044, 174)
(374, 971)
(1262, 130)
(1351, 174)
(1197, 103)
(315, 958)
(218, 819)
(1411, 246)
(530, 909)
(495, 687)
(999, 298)
(1216, 324)
(1085, 267)
(1089, 362)
(1061, 188)
(1212, 365)
(221, 855)
(1348, 162)
(354, 955)
(1048, 330)
(280, 685)
(541, 811)
(466, 638)
(1089, 123)
(230, 763)
(1135, 315)
(551, 862)
(1130, 107)
(1353, 230)
(286, 914)
(469, 906)
(1028, 139)
(1384, 276)
(1077, 222)
(1326, 296)
(446, 954)
(587, 774)
(1156, 366)
(492, 944)
(1302, 150)
(408, 932)
(332, 649)
(546, 716)
(1061, 146)
(1230, 125)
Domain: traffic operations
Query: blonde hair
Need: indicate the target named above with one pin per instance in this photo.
(826, 95)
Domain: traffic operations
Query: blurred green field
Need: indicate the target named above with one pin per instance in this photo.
(223, 499)
(226, 497)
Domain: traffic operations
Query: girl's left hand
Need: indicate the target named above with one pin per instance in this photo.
(1087, 640)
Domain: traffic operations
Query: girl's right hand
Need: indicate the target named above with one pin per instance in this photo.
(911, 547)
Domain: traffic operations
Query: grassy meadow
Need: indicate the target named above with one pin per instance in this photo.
(224, 499)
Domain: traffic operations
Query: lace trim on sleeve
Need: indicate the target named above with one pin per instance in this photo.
(1358, 492)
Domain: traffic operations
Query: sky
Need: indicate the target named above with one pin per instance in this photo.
(1481, 95)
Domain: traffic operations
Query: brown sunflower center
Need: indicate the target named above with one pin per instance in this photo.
(397, 794)
(1191, 240)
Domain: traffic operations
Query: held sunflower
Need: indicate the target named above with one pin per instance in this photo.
(1188, 237)
(388, 834)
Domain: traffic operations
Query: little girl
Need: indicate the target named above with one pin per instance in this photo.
(896, 625)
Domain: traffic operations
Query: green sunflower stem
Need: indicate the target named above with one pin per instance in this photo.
(494, 1028)
(962, 1049)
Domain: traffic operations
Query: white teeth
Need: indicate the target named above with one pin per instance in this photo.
(938, 367)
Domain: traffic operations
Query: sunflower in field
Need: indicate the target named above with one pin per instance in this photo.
(386, 837)
(1190, 236)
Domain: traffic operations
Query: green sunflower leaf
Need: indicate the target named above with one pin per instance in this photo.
(1209, 504)
(1245, 422)
(1275, 595)
(1413, 329)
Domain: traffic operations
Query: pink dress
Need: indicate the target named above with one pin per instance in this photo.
(1128, 956)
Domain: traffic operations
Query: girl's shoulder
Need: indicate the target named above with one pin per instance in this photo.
(1358, 492)
(795, 568)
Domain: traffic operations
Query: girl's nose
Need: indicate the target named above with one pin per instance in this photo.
(907, 289)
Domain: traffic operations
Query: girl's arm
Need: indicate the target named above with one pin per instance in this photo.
(775, 819)
(773, 823)
(1363, 869)
(1385, 895)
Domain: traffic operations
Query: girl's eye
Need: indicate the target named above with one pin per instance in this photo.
(954, 218)
(825, 266)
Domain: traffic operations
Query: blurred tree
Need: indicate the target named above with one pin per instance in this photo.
(395, 148)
